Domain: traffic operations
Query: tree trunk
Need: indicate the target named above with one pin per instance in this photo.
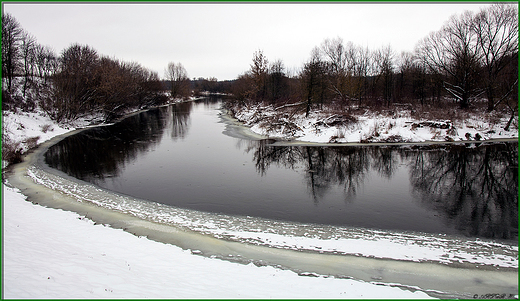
(506, 128)
(491, 98)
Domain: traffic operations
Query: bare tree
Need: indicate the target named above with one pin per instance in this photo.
(114, 88)
(277, 84)
(384, 60)
(313, 80)
(362, 69)
(244, 88)
(453, 52)
(46, 62)
(337, 58)
(46, 65)
(28, 56)
(259, 72)
(412, 84)
(74, 84)
(496, 28)
(180, 82)
(148, 87)
(11, 37)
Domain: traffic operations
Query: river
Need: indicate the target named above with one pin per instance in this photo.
(179, 156)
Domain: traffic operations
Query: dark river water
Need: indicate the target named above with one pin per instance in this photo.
(189, 156)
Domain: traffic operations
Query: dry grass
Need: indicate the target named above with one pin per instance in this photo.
(46, 127)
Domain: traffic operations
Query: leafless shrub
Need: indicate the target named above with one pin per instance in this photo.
(344, 119)
(280, 123)
(394, 139)
(452, 131)
(46, 127)
(11, 151)
(31, 142)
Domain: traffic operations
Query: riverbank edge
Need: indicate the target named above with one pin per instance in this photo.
(279, 141)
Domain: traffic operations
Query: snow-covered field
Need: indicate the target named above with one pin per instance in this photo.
(51, 253)
(399, 126)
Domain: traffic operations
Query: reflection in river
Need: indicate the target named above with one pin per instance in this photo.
(473, 188)
(101, 152)
(177, 155)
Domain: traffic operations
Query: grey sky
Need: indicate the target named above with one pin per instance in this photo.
(219, 39)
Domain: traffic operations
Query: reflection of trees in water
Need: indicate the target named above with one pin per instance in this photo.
(98, 153)
(324, 166)
(101, 152)
(209, 101)
(181, 112)
(318, 180)
(474, 188)
(180, 119)
(384, 160)
(264, 155)
(347, 167)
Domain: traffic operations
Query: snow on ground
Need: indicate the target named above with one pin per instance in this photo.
(400, 126)
(24, 130)
(21, 126)
(49, 253)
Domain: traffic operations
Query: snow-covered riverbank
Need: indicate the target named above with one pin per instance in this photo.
(366, 127)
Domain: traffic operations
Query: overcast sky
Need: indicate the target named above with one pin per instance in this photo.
(219, 39)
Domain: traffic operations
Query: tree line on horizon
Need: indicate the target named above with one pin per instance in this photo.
(472, 58)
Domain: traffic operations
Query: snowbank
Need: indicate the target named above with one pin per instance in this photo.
(22, 131)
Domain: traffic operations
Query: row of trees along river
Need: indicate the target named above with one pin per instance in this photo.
(472, 61)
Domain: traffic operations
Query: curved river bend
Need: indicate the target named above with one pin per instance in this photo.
(442, 219)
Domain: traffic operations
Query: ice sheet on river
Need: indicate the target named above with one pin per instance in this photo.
(322, 239)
